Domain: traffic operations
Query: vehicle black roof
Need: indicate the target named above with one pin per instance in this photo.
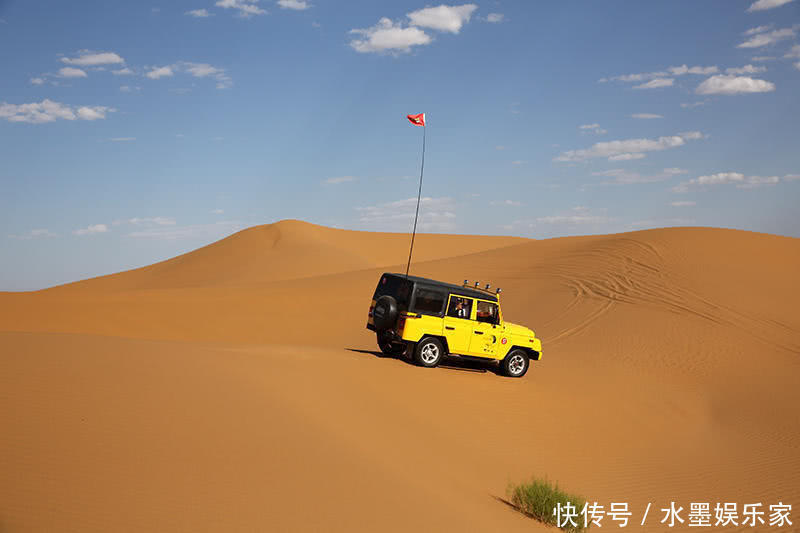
(450, 287)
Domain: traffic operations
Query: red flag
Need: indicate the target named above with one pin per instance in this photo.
(417, 120)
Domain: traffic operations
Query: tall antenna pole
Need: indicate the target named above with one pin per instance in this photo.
(419, 197)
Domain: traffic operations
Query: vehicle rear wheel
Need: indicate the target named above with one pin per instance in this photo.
(429, 352)
(516, 364)
(388, 347)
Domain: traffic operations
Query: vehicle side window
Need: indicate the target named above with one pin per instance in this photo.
(393, 286)
(459, 307)
(429, 302)
(487, 312)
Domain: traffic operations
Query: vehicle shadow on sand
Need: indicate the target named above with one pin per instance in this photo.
(449, 363)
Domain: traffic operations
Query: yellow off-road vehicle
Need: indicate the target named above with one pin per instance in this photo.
(431, 319)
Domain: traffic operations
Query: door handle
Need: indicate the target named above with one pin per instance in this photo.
(478, 333)
(449, 327)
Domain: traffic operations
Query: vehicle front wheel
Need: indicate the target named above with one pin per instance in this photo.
(429, 352)
(516, 364)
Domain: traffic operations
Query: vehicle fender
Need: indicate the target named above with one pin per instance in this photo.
(532, 354)
(441, 339)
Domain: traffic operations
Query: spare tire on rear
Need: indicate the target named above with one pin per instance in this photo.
(385, 313)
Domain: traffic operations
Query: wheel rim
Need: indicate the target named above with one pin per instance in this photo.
(429, 353)
(516, 364)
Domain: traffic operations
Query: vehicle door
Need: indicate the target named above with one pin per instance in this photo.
(485, 333)
(457, 323)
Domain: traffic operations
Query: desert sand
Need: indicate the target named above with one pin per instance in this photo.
(235, 388)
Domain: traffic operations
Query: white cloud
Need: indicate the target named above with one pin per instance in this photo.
(747, 69)
(576, 216)
(37, 81)
(570, 218)
(495, 17)
(70, 72)
(122, 72)
(199, 13)
(726, 178)
(624, 177)
(507, 203)
(339, 180)
(573, 219)
(628, 146)
(198, 70)
(146, 221)
(661, 223)
(757, 181)
(49, 111)
(764, 39)
(87, 58)
(793, 52)
(518, 162)
(443, 18)
(675, 171)
(159, 72)
(202, 70)
(683, 204)
(646, 116)
(246, 8)
(764, 58)
(683, 69)
(791, 177)
(298, 5)
(128, 88)
(93, 113)
(626, 157)
(435, 214)
(34, 234)
(592, 128)
(797, 65)
(122, 139)
(724, 84)
(670, 72)
(217, 211)
(387, 36)
(758, 29)
(93, 229)
(693, 104)
(216, 229)
(656, 83)
(761, 5)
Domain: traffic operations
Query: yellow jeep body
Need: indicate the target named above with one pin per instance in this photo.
(471, 334)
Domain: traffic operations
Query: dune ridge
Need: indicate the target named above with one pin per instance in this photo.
(219, 389)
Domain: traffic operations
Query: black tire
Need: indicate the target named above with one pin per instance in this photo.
(429, 352)
(510, 366)
(388, 347)
(385, 313)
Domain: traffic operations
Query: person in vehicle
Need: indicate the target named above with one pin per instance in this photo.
(459, 308)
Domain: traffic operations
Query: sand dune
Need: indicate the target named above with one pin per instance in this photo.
(235, 388)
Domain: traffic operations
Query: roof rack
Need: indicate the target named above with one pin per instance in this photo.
(487, 289)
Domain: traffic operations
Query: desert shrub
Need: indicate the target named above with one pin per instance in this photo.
(538, 497)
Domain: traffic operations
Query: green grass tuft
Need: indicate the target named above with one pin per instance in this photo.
(539, 497)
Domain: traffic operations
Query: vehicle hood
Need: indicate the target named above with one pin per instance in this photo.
(516, 329)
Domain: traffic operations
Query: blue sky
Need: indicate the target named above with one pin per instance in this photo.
(133, 131)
